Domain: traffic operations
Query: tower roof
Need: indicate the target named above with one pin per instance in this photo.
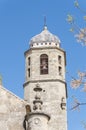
(45, 38)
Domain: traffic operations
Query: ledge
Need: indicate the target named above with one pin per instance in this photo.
(38, 113)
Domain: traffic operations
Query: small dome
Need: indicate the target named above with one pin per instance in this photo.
(44, 38)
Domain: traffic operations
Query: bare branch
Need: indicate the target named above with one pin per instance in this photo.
(77, 104)
(80, 33)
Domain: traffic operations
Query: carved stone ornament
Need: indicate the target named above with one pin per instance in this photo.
(36, 120)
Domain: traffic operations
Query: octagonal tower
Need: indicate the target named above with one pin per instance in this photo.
(45, 63)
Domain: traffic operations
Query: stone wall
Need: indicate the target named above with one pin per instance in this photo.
(53, 64)
(12, 111)
(53, 85)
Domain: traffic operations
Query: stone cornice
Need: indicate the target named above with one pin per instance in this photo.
(44, 48)
(47, 80)
(38, 113)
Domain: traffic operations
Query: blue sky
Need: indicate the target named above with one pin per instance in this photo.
(22, 19)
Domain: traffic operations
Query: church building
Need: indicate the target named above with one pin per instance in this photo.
(45, 92)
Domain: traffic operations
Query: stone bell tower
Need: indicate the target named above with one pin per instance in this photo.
(45, 86)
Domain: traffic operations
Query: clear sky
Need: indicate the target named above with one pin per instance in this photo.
(22, 19)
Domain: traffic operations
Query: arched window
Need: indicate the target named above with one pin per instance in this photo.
(29, 72)
(43, 64)
(59, 59)
(60, 70)
(28, 60)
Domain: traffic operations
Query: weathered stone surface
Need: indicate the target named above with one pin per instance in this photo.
(53, 84)
(12, 111)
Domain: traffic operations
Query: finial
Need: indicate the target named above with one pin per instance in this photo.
(0, 79)
(45, 26)
(44, 20)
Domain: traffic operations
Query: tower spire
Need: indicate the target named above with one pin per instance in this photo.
(45, 25)
(44, 20)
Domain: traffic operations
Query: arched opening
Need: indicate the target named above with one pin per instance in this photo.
(60, 70)
(44, 64)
